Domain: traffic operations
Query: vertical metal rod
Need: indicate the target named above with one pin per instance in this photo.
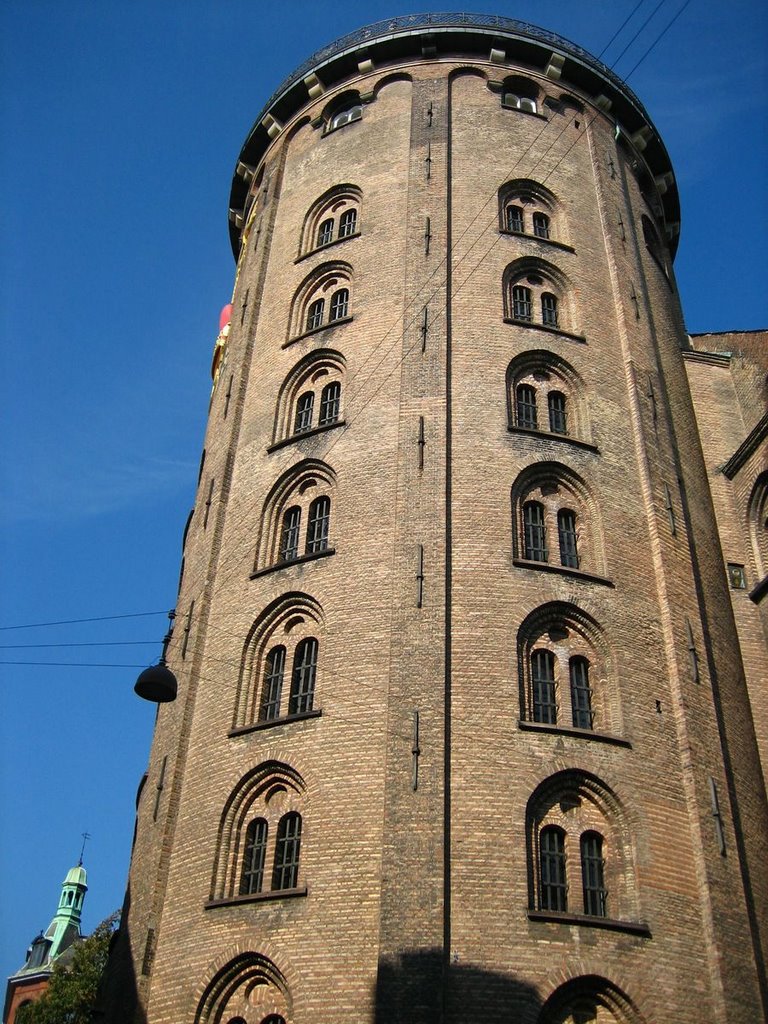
(670, 509)
(187, 627)
(420, 579)
(421, 442)
(427, 237)
(652, 399)
(692, 653)
(244, 306)
(429, 115)
(635, 303)
(208, 501)
(415, 752)
(717, 816)
(622, 229)
(228, 395)
(159, 788)
(424, 328)
(428, 160)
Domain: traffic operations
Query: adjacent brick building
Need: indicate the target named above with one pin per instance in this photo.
(463, 731)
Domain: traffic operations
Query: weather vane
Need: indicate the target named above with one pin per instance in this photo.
(86, 836)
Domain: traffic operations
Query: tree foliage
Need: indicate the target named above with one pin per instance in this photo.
(71, 994)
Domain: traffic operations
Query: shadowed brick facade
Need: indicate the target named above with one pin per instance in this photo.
(463, 731)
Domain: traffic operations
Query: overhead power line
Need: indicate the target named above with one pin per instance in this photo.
(97, 618)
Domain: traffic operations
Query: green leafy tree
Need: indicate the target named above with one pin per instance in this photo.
(71, 994)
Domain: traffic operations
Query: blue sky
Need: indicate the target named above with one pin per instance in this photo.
(121, 124)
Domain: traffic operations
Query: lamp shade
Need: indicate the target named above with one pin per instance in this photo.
(157, 683)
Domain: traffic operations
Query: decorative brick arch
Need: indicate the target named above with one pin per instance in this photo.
(590, 993)
(238, 982)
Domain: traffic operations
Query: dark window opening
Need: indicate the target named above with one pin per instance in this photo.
(553, 893)
(325, 232)
(252, 877)
(581, 694)
(317, 524)
(593, 874)
(339, 304)
(315, 314)
(330, 401)
(534, 533)
(347, 223)
(304, 409)
(541, 225)
(274, 672)
(525, 406)
(286, 870)
(566, 531)
(521, 303)
(303, 677)
(549, 309)
(558, 423)
(515, 218)
(543, 682)
(289, 539)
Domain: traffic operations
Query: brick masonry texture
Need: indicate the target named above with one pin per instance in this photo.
(423, 780)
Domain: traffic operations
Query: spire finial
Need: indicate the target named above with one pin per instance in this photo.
(86, 836)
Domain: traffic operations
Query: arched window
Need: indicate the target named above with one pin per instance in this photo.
(272, 688)
(330, 401)
(315, 312)
(538, 294)
(549, 309)
(348, 223)
(303, 677)
(566, 677)
(295, 523)
(543, 683)
(567, 536)
(576, 826)
(515, 220)
(541, 224)
(525, 407)
(581, 695)
(283, 643)
(322, 300)
(528, 208)
(289, 537)
(332, 218)
(325, 232)
(252, 874)
(553, 889)
(317, 524)
(593, 874)
(545, 393)
(535, 541)
(558, 421)
(520, 94)
(249, 980)
(589, 999)
(310, 397)
(339, 304)
(350, 112)
(550, 501)
(260, 834)
(286, 870)
(304, 409)
(522, 307)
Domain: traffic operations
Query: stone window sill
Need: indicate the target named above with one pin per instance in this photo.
(317, 330)
(257, 897)
(294, 561)
(243, 730)
(631, 927)
(563, 570)
(547, 330)
(571, 730)
(550, 435)
(328, 245)
(305, 433)
(537, 238)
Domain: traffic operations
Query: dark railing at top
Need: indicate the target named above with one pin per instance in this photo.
(392, 26)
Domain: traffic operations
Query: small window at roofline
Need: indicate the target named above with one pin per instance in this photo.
(352, 112)
(525, 103)
(736, 576)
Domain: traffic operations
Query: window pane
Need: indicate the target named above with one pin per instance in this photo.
(543, 682)
(252, 877)
(330, 400)
(317, 524)
(514, 218)
(315, 314)
(274, 671)
(289, 539)
(549, 309)
(303, 677)
(286, 872)
(593, 874)
(348, 223)
(557, 419)
(353, 113)
(339, 304)
(553, 893)
(581, 695)
(525, 406)
(304, 408)
(527, 104)
(534, 533)
(521, 303)
(541, 225)
(566, 531)
(325, 232)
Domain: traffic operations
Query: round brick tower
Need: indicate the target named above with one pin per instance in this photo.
(462, 732)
